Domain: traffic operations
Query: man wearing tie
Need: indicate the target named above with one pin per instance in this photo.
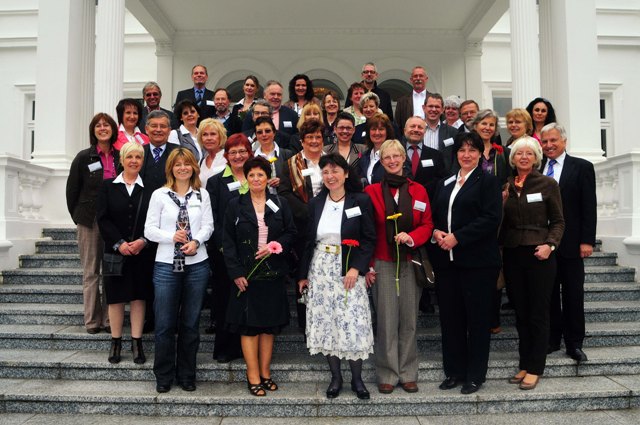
(576, 178)
(199, 93)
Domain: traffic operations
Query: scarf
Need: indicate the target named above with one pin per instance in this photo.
(298, 181)
(405, 222)
(182, 223)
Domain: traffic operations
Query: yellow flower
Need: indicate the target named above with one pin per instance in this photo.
(394, 216)
(272, 160)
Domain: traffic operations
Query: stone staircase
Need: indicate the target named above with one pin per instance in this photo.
(49, 364)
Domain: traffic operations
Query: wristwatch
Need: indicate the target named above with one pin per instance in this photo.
(552, 246)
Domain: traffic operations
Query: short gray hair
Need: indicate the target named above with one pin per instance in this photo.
(555, 126)
(150, 85)
(393, 144)
(158, 113)
(486, 113)
(262, 102)
(526, 142)
(369, 96)
(453, 100)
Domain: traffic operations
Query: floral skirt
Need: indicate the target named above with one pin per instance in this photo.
(337, 325)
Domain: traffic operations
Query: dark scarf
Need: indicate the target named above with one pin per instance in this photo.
(405, 222)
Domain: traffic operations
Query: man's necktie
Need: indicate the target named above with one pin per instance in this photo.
(198, 96)
(415, 160)
(552, 162)
(156, 154)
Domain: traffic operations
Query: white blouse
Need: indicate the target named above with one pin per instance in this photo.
(217, 166)
(161, 223)
(330, 223)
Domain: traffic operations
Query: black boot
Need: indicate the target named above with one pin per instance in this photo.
(357, 386)
(114, 352)
(335, 385)
(138, 351)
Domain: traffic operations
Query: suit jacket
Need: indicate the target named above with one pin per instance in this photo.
(530, 221)
(83, 185)
(385, 100)
(206, 111)
(355, 154)
(143, 120)
(431, 168)
(363, 165)
(447, 132)
(220, 196)
(241, 226)
(578, 192)
(475, 217)
(404, 109)
(153, 173)
(287, 123)
(360, 228)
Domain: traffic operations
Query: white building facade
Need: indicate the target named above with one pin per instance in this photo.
(63, 60)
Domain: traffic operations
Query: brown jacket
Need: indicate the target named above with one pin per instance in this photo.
(535, 217)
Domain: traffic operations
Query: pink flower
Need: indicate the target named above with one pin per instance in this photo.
(274, 247)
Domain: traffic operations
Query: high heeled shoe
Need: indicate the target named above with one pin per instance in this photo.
(137, 351)
(114, 351)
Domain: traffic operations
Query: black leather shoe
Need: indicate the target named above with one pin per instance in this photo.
(188, 386)
(577, 354)
(470, 387)
(361, 391)
(163, 388)
(553, 348)
(449, 383)
(334, 388)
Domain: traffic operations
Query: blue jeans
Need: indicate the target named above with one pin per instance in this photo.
(177, 304)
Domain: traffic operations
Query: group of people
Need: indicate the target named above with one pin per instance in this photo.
(251, 199)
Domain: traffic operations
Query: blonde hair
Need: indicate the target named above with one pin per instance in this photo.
(303, 115)
(526, 142)
(392, 144)
(186, 155)
(524, 116)
(128, 148)
(215, 124)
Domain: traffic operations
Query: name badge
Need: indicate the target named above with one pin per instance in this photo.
(139, 139)
(450, 180)
(287, 124)
(233, 186)
(448, 142)
(353, 212)
(420, 206)
(95, 166)
(210, 103)
(427, 163)
(534, 197)
(272, 205)
(307, 172)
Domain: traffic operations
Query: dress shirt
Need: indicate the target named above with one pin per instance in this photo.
(557, 167)
(224, 118)
(161, 223)
(330, 223)
(418, 102)
(375, 157)
(275, 117)
(431, 136)
(120, 179)
(108, 168)
(452, 198)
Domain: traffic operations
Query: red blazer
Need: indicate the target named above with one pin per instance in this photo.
(422, 224)
(143, 139)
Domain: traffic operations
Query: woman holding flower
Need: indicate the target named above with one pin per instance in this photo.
(403, 220)
(258, 309)
(339, 246)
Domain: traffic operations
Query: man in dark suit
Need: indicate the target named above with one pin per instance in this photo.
(577, 181)
(285, 119)
(369, 77)
(152, 96)
(231, 122)
(201, 95)
(438, 135)
(411, 104)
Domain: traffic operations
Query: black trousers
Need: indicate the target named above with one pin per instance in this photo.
(529, 285)
(226, 343)
(567, 314)
(465, 300)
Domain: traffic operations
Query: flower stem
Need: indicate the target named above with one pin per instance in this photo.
(346, 269)
(395, 223)
(253, 271)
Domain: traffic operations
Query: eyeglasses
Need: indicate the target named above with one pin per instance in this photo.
(156, 126)
(152, 94)
(368, 72)
(261, 114)
(240, 152)
(344, 128)
(265, 131)
(391, 158)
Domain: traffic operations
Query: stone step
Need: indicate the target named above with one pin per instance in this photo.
(57, 247)
(291, 340)
(61, 233)
(609, 274)
(307, 399)
(291, 367)
(57, 261)
(70, 294)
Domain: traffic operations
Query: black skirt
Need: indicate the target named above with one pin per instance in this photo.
(136, 280)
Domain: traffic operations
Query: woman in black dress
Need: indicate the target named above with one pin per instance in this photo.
(121, 213)
(258, 310)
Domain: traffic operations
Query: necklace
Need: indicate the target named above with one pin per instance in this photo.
(339, 199)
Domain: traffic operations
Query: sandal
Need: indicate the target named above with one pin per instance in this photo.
(268, 384)
(256, 389)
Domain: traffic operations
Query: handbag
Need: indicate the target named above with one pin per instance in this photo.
(113, 262)
(425, 278)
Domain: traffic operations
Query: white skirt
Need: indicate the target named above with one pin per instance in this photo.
(337, 324)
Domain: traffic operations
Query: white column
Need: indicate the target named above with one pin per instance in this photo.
(473, 70)
(546, 46)
(109, 55)
(64, 80)
(164, 53)
(525, 57)
(571, 24)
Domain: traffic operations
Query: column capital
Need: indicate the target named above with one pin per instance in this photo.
(473, 47)
(164, 48)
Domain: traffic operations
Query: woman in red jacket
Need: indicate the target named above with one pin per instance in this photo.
(403, 220)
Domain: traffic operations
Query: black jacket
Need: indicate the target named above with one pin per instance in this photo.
(206, 111)
(220, 197)
(153, 173)
(431, 168)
